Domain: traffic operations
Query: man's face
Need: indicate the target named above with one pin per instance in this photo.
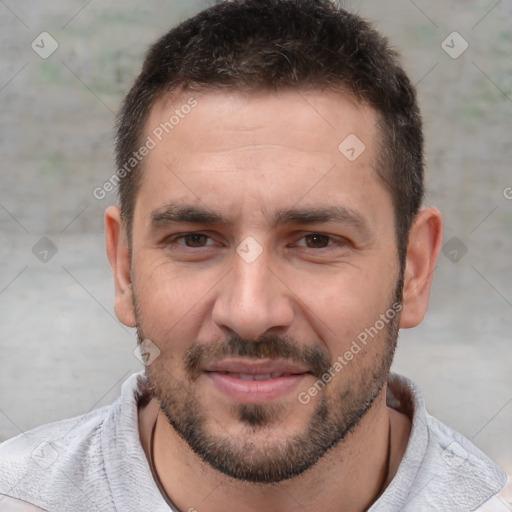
(251, 304)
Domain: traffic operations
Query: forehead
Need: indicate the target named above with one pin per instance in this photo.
(326, 116)
(220, 147)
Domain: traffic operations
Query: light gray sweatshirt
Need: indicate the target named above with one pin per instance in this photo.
(96, 462)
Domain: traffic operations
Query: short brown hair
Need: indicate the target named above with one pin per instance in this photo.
(255, 45)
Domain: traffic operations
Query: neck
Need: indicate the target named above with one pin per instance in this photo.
(350, 477)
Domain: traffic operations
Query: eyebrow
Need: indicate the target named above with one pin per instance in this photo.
(182, 213)
(175, 213)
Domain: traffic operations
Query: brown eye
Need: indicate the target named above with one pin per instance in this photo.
(195, 239)
(317, 241)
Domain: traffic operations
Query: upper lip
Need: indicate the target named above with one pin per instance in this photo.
(255, 367)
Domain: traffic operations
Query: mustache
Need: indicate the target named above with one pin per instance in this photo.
(313, 358)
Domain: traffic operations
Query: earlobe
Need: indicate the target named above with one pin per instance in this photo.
(119, 257)
(425, 239)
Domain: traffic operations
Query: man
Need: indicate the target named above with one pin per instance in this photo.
(270, 242)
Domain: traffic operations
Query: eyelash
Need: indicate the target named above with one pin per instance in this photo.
(336, 241)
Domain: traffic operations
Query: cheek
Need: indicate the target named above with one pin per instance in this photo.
(346, 303)
(169, 299)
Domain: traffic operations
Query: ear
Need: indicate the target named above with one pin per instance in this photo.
(119, 257)
(425, 239)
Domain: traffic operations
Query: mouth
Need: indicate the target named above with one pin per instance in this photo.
(262, 376)
(255, 381)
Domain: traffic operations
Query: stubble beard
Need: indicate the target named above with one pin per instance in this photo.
(263, 454)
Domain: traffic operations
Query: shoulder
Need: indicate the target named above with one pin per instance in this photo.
(36, 464)
(460, 465)
(501, 502)
(441, 469)
(83, 463)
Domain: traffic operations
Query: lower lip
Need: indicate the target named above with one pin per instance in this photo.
(255, 390)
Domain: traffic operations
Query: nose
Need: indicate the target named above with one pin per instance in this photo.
(253, 299)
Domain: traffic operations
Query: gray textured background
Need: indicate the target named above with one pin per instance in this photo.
(62, 350)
